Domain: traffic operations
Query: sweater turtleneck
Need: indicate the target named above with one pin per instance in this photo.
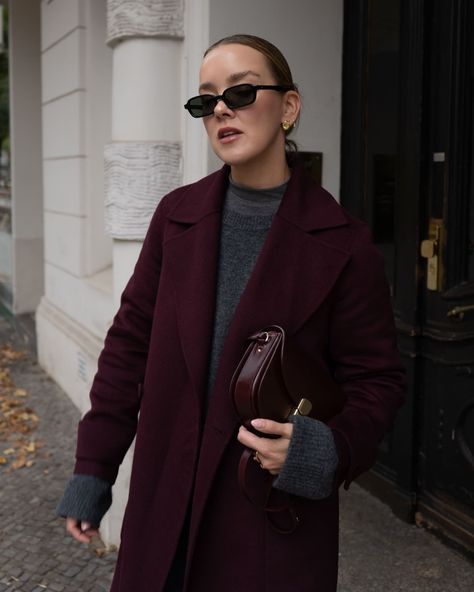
(246, 219)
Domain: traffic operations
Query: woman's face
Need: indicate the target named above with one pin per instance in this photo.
(250, 135)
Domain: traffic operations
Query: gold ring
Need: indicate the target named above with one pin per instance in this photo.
(256, 458)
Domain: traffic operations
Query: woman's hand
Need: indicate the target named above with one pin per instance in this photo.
(81, 531)
(272, 452)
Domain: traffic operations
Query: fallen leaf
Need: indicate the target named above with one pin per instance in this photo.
(19, 463)
(100, 549)
(30, 447)
(5, 379)
(8, 353)
(3, 460)
(17, 420)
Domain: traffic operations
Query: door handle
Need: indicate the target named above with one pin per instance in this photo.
(431, 250)
(458, 311)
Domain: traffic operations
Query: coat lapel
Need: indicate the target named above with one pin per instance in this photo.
(191, 252)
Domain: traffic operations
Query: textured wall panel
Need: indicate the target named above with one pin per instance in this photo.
(144, 18)
(137, 176)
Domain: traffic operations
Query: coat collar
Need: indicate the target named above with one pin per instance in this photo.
(299, 262)
(314, 208)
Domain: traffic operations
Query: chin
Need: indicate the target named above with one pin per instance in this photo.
(233, 155)
(234, 159)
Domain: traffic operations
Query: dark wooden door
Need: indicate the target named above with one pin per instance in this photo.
(407, 168)
(446, 451)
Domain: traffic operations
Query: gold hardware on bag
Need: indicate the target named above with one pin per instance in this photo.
(304, 407)
(263, 338)
(431, 249)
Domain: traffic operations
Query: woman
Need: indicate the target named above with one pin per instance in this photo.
(256, 243)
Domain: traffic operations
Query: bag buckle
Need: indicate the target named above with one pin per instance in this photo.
(304, 407)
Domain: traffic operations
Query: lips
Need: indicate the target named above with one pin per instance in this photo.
(228, 133)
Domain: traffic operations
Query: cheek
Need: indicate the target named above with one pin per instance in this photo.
(266, 128)
(267, 117)
(207, 125)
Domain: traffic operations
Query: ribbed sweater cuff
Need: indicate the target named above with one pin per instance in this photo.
(85, 498)
(312, 460)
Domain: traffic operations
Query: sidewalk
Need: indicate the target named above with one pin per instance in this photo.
(378, 551)
(35, 552)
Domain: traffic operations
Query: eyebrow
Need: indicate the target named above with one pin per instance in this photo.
(233, 78)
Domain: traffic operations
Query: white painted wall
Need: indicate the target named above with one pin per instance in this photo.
(309, 33)
(26, 174)
(76, 92)
(196, 41)
(145, 89)
(77, 308)
(60, 17)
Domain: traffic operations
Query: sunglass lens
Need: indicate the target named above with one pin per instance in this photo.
(201, 106)
(239, 96)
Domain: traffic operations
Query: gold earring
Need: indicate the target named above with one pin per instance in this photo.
(286, 125)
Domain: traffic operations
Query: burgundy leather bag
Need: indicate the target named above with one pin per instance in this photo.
(275, 380)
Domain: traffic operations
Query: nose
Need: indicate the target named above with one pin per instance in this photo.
(222, 109)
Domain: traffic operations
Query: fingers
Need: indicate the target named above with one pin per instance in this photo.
(261, 444)
(272, 453)
(267, 426)
(81, 531)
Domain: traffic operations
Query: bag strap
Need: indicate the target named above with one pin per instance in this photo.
(246, 458)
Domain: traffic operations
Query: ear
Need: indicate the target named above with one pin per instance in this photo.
(291, 106)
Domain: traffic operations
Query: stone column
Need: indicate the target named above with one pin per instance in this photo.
(143, 160)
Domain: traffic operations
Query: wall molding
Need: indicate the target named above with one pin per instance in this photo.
(137, 176)
(70, 328)
(144, 18)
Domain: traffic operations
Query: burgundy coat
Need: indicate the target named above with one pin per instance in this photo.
(318, 276)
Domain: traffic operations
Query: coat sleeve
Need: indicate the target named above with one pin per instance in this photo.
(363, 349)
(107, 430)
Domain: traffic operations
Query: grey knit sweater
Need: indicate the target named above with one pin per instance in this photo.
(312, 459)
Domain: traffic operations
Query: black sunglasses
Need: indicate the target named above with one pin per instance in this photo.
(234, 97)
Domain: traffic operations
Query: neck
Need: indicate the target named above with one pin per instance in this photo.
(260, 177)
